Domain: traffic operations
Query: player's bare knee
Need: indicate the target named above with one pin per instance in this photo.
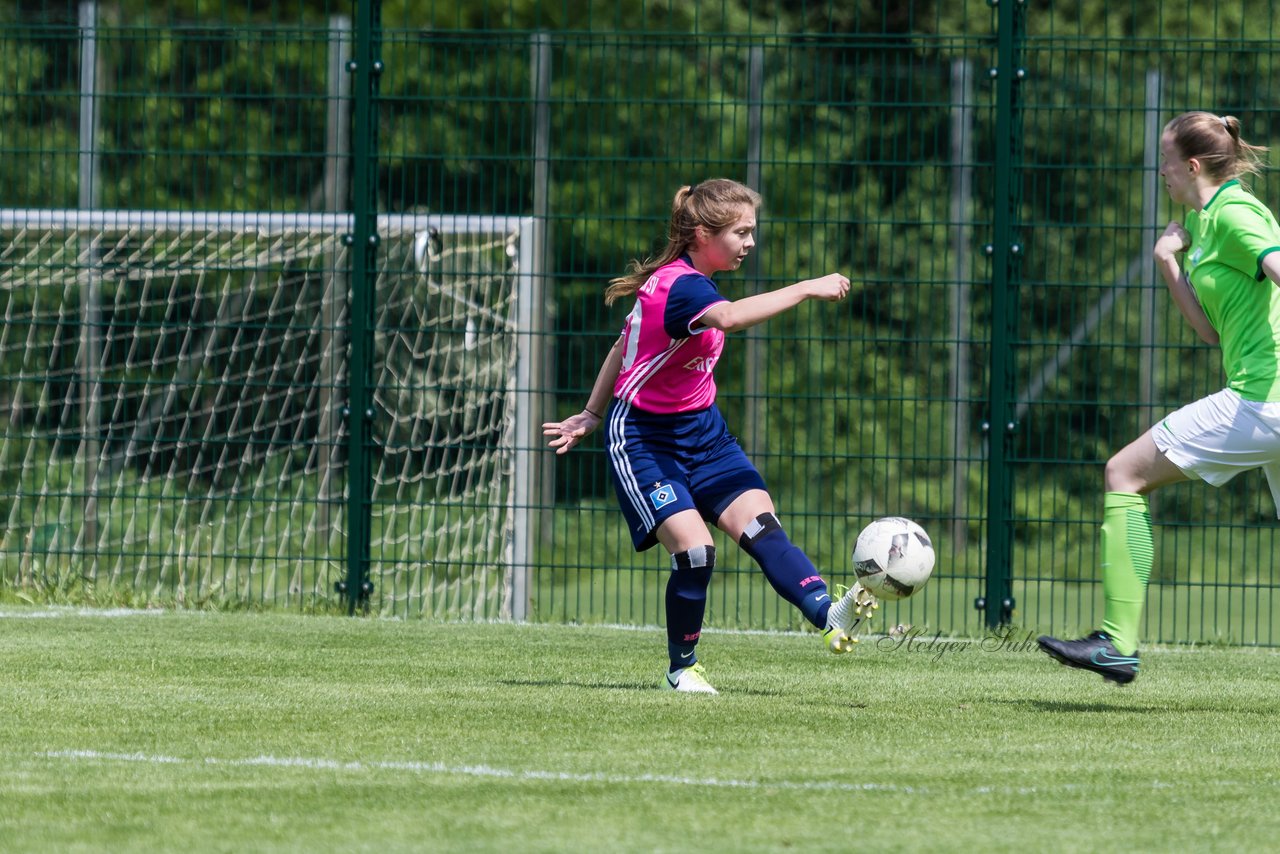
(1118, 476)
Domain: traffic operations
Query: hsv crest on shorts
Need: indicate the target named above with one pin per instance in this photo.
(662, 496)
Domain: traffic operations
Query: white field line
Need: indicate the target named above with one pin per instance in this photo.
(487, 771)
(440, 768)
(921, 636)
(53, 612)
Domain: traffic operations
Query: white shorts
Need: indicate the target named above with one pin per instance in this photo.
(1221, 435)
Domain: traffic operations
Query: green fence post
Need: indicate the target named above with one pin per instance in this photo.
(364, 252)
(1006, 256)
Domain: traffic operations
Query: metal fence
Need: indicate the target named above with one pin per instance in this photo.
(286, 302)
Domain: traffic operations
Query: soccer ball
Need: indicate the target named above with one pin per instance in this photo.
(893, 558)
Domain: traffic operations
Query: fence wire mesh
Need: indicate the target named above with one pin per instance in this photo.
(184, 405)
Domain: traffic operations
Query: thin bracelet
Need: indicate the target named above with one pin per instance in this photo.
(589, 412)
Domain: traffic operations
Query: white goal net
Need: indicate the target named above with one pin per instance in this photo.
(177, 395)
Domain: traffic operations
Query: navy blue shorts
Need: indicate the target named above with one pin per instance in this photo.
(663, 464)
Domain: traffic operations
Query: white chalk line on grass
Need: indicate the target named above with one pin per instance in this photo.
(487, 771)
(924, 637)
(52, 612)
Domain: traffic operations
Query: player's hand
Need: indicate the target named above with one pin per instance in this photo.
(1174, 240)
(831, 287)
(569, 432)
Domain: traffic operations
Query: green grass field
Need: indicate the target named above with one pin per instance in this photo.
(268, 732)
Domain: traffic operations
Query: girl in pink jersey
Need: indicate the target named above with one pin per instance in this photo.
(1226, 288)
(676, 467)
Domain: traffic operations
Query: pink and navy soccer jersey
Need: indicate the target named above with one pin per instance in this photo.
(669, 448)
(666, 364)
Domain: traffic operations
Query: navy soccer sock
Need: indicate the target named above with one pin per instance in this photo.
(788, 569)
(687, 602)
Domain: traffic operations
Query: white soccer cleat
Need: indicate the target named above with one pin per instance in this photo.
(837, 640)
(852, 612)
(691, 679)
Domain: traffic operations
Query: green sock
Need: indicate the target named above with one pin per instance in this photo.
(1126, 566)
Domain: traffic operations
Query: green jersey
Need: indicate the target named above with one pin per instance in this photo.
(1229, 239)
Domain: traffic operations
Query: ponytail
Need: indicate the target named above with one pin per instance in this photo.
(1248, 158)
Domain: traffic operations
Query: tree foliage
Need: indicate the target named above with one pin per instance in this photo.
(223, 106)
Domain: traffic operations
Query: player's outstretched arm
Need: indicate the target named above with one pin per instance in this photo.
(749, 311)
(1170, 244)
(569, 432)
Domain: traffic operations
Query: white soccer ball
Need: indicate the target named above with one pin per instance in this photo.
(893, 558)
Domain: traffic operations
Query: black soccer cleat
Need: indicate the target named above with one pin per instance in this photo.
(1095, 652)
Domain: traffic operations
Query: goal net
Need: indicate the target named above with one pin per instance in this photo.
(177, 391)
